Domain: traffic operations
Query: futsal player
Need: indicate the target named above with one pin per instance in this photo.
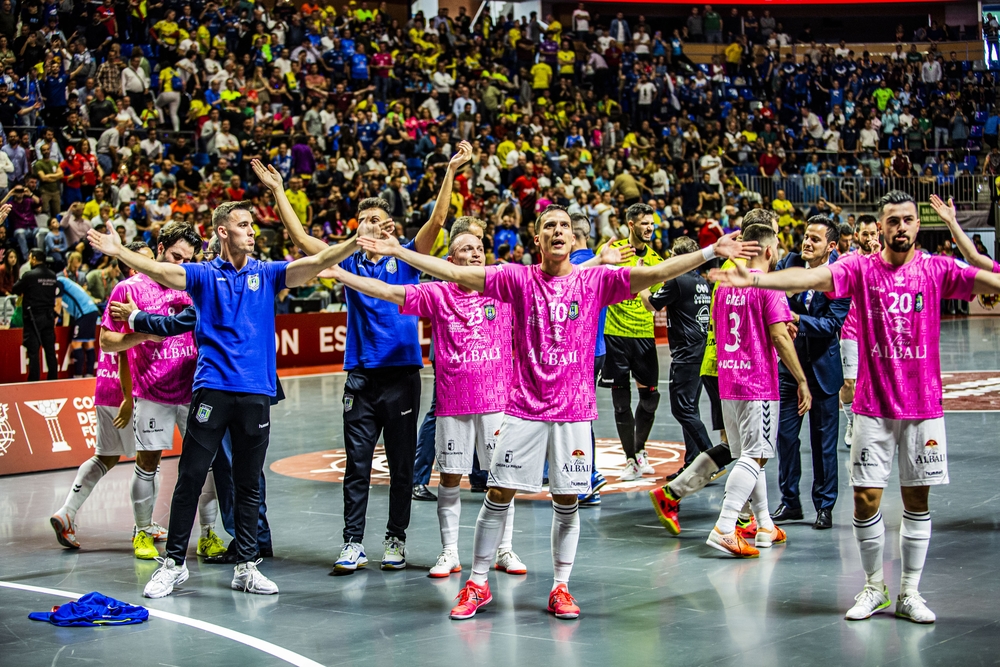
(898, 412)
(234, 379)
(555, 307)
(631, 351)
(751, 336)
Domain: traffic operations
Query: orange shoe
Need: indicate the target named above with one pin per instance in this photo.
(470, 599)
(666, 507)
(747, 530)
(731, 544)
(562, 604)
(765, 538)
(65, 532)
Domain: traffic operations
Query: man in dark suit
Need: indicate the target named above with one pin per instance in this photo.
(817, 321)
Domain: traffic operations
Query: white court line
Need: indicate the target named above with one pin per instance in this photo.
(290, 657)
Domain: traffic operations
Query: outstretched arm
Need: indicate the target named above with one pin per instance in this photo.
(165, 273)
(610, 255)
(795, 279)
(375, 288)
(962, 240)
(644, 277)
(303, 270)
(469, 277)
(425, 238)
(271, 179)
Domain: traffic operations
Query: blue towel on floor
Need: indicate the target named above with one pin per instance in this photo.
(92, 610)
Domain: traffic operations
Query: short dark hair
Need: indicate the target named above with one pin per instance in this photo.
(636, 211)
(551, 208)
(684, 245)
(845, 229)
(175, 231)
(761, 233)
(221, 214)
(37, 255)
(892, 198)
(134, 246)
(374, 202)
(503, 250)
(581, 225)
(463, 223)
(865, 219)
(832, 229)
(760, 216)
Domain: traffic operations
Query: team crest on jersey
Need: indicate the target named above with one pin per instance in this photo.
(391, 265)
(490, 311)
(574, 310)
(918, 303)
(253, 282)
(204, 412)
(348, 402)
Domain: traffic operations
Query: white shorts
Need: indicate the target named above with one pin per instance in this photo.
(154, 424)
(113, 441)
(920, 444)
(523, 446)
(460, 437)
(849, 358)
(752, 427)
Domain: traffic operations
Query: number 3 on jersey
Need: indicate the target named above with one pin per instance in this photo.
(734, 333)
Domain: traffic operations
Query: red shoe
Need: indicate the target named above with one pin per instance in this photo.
(470, 599)
(666, 507)
(65, 532)
(562, 604)
(747, 529)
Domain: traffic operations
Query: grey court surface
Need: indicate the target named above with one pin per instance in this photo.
(647, 598)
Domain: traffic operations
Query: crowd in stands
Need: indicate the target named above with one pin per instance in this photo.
(123, 116)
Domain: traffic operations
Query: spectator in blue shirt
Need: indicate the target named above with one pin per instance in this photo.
(56, 245)
(359, 68)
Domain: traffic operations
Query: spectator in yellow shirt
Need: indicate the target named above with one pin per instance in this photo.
(542, 78)
(567, 60)
(299, 200)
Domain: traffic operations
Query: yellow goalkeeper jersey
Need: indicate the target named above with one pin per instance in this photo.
(630, 319)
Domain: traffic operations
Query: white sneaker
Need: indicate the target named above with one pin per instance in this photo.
(395, 554)
(507, 561)
(849, 433)
(643, 463)
(630, 473)
(248, 578)
(352, 556)
(869, 601)
(447, 563)
(159, 533)
(912, 608)
(168, 575)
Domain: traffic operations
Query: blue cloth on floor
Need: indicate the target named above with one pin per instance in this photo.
(92, 610)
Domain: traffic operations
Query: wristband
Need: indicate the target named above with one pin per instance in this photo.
(708, 253)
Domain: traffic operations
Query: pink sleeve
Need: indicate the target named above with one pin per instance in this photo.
(502, 281)
(958, 279)
(420, 299)
(614, 285)
(118, 293)
(776, 307)
(996, 266)
(842, 272)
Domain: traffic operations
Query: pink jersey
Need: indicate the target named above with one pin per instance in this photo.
(555, 328)
(748, 362)
(109, 389)
(161, 372)
(899, 328)
(472, 347)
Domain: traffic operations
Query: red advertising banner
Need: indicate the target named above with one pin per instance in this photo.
(49, 426)
(14, 358)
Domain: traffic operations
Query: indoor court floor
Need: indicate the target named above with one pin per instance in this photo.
(647, 598)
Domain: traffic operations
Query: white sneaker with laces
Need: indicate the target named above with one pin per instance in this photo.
(507, 561)
(447, 563)
(869, 601)
(630, 473)
(912, 608)
(168, 575)
(643, 463)
(849, 433)
(249, 579)
(395, 554)
(352, 556)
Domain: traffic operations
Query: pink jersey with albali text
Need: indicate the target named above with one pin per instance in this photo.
(161, 372)
(108, 389)
(899, 329)
(748, 361)
(555, 328)
(850, 329)
(472, 346)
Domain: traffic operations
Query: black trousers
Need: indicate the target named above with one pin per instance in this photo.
(824, 425)
(685, 392)
(247, 417)
(40, 332)
(381, 401)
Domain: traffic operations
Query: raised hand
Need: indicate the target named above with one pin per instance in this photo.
(120, 311)
(388, 246)
(268, 175)
(945, 211)
(729, 247)
(463, 155)
(735, 277)
(387, 228)
(109, 243)
(616, 254)
(4, 212)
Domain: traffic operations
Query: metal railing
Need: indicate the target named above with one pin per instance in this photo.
(967, 190)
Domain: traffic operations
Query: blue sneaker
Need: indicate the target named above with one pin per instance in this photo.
(590, 500)
(597, 481)
(352, 556)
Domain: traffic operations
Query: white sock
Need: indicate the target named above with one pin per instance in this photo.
(208, 505)
(870, 534)
(87, 477)
(489, 532)
(739, 486)
(143, 494)
(508, 529)
(747, 512)
(849, 413)
(694, 477)
(914, 537)
(565, 536)
(156, 487)
(758, 501)
(449, 514)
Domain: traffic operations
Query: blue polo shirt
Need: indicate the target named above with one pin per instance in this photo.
(235, 329)
(377, 335)
(579, 257)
